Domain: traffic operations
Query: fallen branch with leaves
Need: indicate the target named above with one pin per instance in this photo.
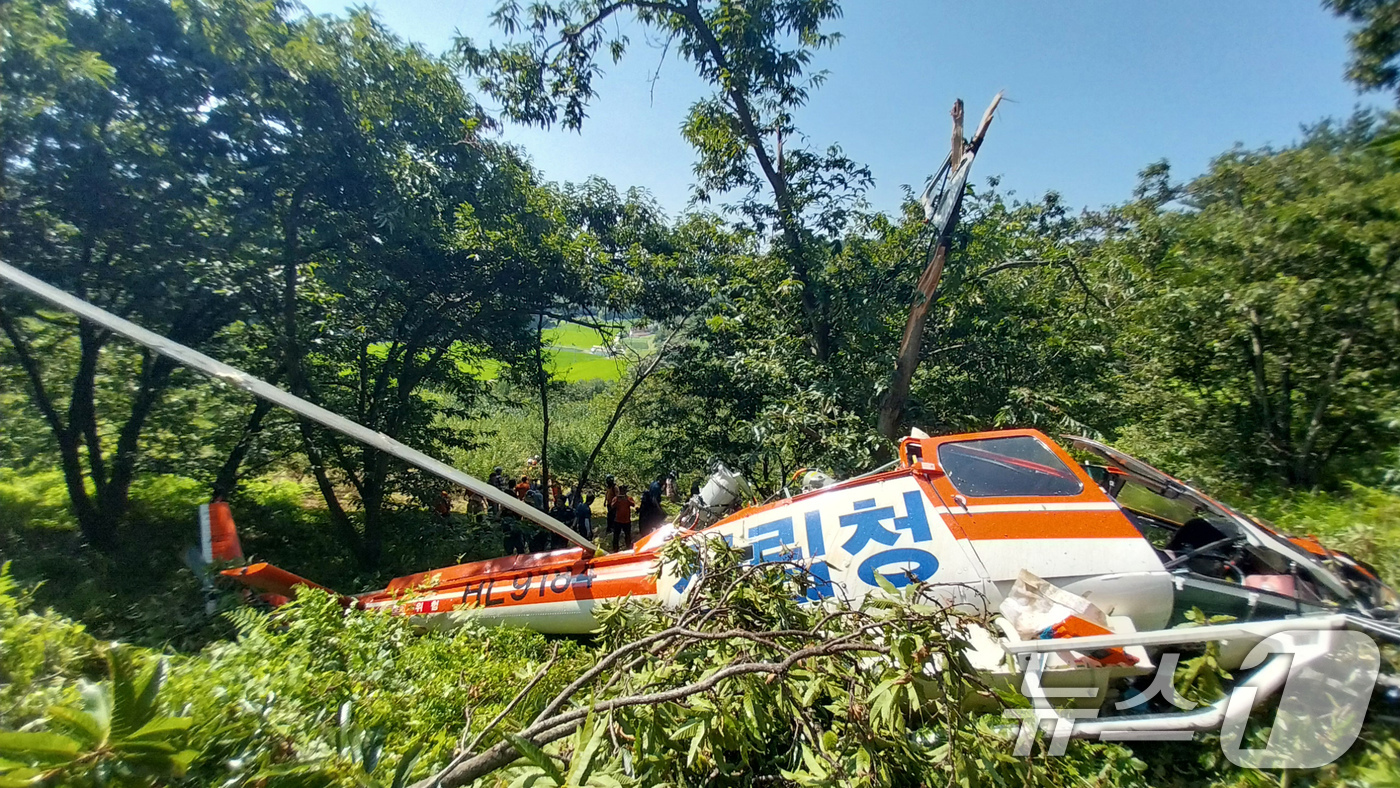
(747, 679)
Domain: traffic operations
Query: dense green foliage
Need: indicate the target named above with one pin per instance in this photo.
(315, 695)
(1375, 43)
(1272, 305)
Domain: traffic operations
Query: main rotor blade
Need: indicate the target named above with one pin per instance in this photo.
(260, 388)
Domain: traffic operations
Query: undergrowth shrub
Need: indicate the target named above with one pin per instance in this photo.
(145, 591)
(282, 703)
(37, 499)
(41, 656)
(1363, 521)
(273, 697)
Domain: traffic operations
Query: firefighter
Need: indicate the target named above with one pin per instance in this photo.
(622, 519)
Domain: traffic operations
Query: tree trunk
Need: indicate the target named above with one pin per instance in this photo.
(896, 399)
(82, 404)
(340, 521)
(1306, 469)
(892, 410)
(372, 544)
(227, 479)
(155, 373)
(543, 377)
(97, 531)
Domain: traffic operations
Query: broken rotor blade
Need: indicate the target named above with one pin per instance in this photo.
(260, 388)
(951, 194)
(934, 190)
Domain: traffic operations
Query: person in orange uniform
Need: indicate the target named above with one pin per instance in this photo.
(622, 522)
(443, 507)
(522, 488)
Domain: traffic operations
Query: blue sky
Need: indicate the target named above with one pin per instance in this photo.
(1097, 90)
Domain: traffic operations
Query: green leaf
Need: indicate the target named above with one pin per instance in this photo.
(592, 735)
(84, 727)
(885, 584)
(536, 756)
(695, 744)
(145, 747)
(531, 778)
(133, 695)
(162, 728)
(406, 763)
(863, 761)
(181, 761)
(21, 778)
(44, 747)
(814, 764)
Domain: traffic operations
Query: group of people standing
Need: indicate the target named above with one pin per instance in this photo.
(620, 505)
(576, 509)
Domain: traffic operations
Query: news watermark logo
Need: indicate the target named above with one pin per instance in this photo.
(1323, 680)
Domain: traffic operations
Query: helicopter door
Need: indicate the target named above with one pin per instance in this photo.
(1023, 504)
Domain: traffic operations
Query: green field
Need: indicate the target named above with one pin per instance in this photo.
(569, 365)
(573, 362)
(573, 365)
(581, 337)
(570, 335)
(569, 356)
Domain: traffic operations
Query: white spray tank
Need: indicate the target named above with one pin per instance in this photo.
(720, 495)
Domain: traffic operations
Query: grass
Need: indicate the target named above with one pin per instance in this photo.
(574, 366)
(569, 357)
(571, 335)
(567, 365)
(145, 591)
(1362, 521)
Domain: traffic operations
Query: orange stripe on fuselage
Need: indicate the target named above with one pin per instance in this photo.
(520, 581)
(507, 565)
(952, 523)
(523, 591)
(1049, 525)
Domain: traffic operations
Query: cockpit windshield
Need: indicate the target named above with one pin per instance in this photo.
(1003, 467)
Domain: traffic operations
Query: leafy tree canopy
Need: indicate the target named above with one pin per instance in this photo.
(1268, 316)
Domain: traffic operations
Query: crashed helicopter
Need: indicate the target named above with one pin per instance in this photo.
(1090, 564)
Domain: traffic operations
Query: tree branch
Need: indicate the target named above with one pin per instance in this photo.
(639, 377)
(32, 372)
(548, 731)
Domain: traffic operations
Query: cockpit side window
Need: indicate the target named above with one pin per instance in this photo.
(1140, 498)
(1006, 467)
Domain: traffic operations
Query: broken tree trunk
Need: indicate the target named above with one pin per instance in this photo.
(896, 400)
